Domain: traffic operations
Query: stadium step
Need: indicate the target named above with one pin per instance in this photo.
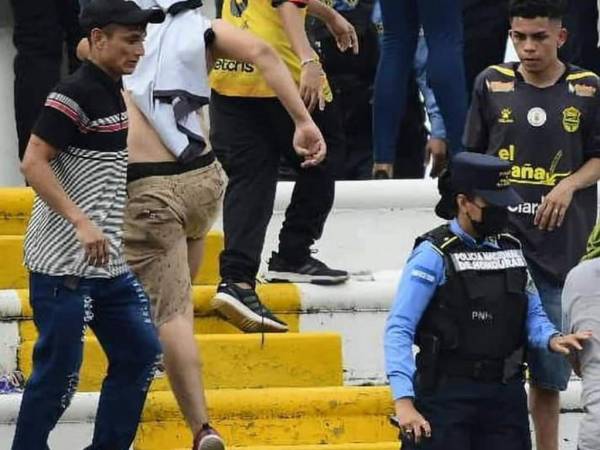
(275, 418)
(364, 446)
(13, 274)
(236, 361)
(282, 298)
(15, 209)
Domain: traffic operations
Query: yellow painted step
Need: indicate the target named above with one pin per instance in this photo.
(15, 209)
(13, 274)
(276, 417)
(364, 446)
(281, 298)
(237, 361)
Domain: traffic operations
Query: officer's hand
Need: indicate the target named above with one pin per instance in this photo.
(564, 344)
(411, 421)
(309, 144)
(436, 150)
(551, 212)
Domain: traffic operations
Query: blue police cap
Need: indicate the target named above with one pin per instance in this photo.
(485, 176)
(100, 13)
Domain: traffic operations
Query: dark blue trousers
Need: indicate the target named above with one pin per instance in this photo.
(117, 310)
(442, 23)
(471, 415)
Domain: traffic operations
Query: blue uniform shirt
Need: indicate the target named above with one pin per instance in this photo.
(423, 273)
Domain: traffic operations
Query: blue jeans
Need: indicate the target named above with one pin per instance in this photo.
(118, 312)
(548, 370)
(402, 20)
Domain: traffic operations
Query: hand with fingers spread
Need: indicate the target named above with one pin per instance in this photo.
(312, 79)
(551, 213)
(94, 242)
(343, 32)
(565, 344)
(309, 144)
(436, 152)
(412, 424)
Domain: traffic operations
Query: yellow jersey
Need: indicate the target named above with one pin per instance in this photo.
(261, 18)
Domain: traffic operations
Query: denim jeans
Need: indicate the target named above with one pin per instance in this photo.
(548, 370)
(442, 23)
(117, 311)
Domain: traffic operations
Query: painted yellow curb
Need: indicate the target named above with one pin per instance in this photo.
(237, 361)
(13, 274)
(365, 446)
(276, 417)
(15, 209)
(283, 299)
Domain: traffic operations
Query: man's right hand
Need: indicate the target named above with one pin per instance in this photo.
(411, 421)
(94, 243)
(309, 144)
(311, 86)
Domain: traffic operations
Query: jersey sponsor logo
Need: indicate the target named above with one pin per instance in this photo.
(571, 119)
(533, 175)
(537, 117)
(230, 65)
(582, 90)
(422, 275)
(506, 116)
(500, 86)
(527, 208)
(488, 261)
(238, 7)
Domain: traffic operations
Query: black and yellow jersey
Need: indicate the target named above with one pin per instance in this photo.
(259, 17)
(547, 134)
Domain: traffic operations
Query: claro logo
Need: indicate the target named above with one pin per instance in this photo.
(229, 65)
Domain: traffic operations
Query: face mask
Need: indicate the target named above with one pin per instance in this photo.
(494, 220)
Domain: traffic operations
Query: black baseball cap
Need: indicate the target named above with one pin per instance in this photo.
(100, 13)
(485, 176)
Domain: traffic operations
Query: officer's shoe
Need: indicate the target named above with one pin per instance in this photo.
(310, 271)
(208, 439)
(243, 309)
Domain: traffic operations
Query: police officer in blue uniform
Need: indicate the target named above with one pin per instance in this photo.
(467, 301)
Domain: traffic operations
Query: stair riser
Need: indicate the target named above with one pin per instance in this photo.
(236, 362)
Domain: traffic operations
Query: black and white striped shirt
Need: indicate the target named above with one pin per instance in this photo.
(86, 120)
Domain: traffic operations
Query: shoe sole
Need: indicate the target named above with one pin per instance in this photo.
(291, 277)
(243, 317)
(211, 443)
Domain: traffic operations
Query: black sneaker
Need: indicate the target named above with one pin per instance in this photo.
(243, 308)
(311, 271)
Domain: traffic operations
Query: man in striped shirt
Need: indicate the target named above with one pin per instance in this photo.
(76, 161)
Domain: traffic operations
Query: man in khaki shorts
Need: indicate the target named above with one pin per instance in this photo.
(173, 203)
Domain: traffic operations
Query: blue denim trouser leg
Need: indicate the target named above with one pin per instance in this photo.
(118, 312)
(442, 22)
(548, 370)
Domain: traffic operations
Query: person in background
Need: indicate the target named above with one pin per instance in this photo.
(581, 47)
(581, 306)
(542, 116)
(442, 25)
(42, 28)
(486, 27)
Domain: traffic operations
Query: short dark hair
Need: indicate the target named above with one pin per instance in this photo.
(530, 9)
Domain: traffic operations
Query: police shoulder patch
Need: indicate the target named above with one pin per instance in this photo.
(423, 275)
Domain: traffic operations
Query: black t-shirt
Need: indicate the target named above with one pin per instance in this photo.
(547, 134)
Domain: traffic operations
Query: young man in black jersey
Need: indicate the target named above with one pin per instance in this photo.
(543, 117)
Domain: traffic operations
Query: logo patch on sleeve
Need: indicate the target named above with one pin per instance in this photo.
(423, 275)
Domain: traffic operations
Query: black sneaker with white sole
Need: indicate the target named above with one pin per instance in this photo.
(311, 271)
(242, 308)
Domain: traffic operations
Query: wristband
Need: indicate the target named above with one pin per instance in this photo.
(310, 60)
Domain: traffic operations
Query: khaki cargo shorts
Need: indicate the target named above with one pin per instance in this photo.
(162, 214)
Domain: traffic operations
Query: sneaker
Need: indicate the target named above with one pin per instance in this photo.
(311, 271)
(243, 308)
(208, 439)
